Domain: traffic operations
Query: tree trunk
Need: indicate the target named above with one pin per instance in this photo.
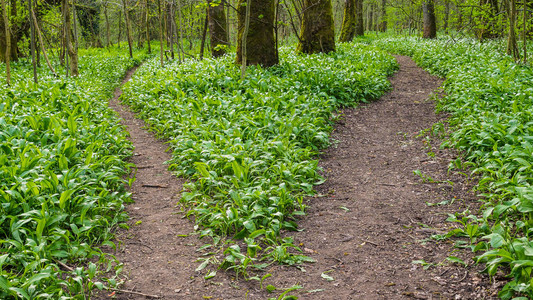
(512, 47)
(446, 15)
(317, 33)
(41, 43)
(217, 28)
(8, 42)
(5, 30)
(108, 38)
(147, 24)
(359, 22)
(128, 28)
(204, 35)
(348, 22)
(72, 53)
(430, 26)
(161, 43)
(383, 23)
(260, 41)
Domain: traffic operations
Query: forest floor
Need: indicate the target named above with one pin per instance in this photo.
(369, 223)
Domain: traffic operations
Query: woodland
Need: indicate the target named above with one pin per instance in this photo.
(252, 98)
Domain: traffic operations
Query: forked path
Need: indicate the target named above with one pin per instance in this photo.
(364, 232)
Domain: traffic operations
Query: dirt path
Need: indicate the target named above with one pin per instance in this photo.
(364, 232)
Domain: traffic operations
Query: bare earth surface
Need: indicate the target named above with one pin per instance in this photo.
(368, 225)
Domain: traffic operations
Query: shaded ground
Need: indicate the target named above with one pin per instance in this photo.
(369, 224)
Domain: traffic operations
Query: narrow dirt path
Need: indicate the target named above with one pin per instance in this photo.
(370, 225)
(364, 231)
(148, 249)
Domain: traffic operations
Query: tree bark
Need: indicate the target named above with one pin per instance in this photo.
(8, 42)
(348, 22)
(41, 43)
(217, 28)
(5, 30)
(430, 26)
(128, 28)
(204, 35)
(72, 53)
(108, 38)
(512, 47)
(317, 33)
(383, 24)
(147, 24)
(161, 43)
(260, 41)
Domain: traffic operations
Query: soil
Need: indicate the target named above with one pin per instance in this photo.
(370, 220)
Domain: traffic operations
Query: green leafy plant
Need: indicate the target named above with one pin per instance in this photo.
(249, 146)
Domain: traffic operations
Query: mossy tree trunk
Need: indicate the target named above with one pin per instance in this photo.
(217, 28)
(317, 33)
(348, 22)
(430, 24)
(260, 40)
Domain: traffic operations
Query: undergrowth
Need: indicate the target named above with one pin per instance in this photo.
(249, 146)
(490, 98)
(62, 158)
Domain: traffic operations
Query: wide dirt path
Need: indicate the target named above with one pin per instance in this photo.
(364, 230)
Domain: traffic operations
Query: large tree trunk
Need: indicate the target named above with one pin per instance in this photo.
(13, 39)
(72, 53)
(260, 41)
(317, 33)
(217, 28)
(430, 26)
(348, 22)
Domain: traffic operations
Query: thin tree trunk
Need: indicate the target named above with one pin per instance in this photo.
(128, 33)
(108, 38)
(204, 36)
(244, 47)
(524, 16)
(147, 23)
(32, 43)
(446, 15)
(39, 35)
(180, 36)
(171, 16)
(359, 23)
(383, 24)
(72, 55)
(75, 26)
(8, 42)
(512, 47)
(161, 42)
(119, 28)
